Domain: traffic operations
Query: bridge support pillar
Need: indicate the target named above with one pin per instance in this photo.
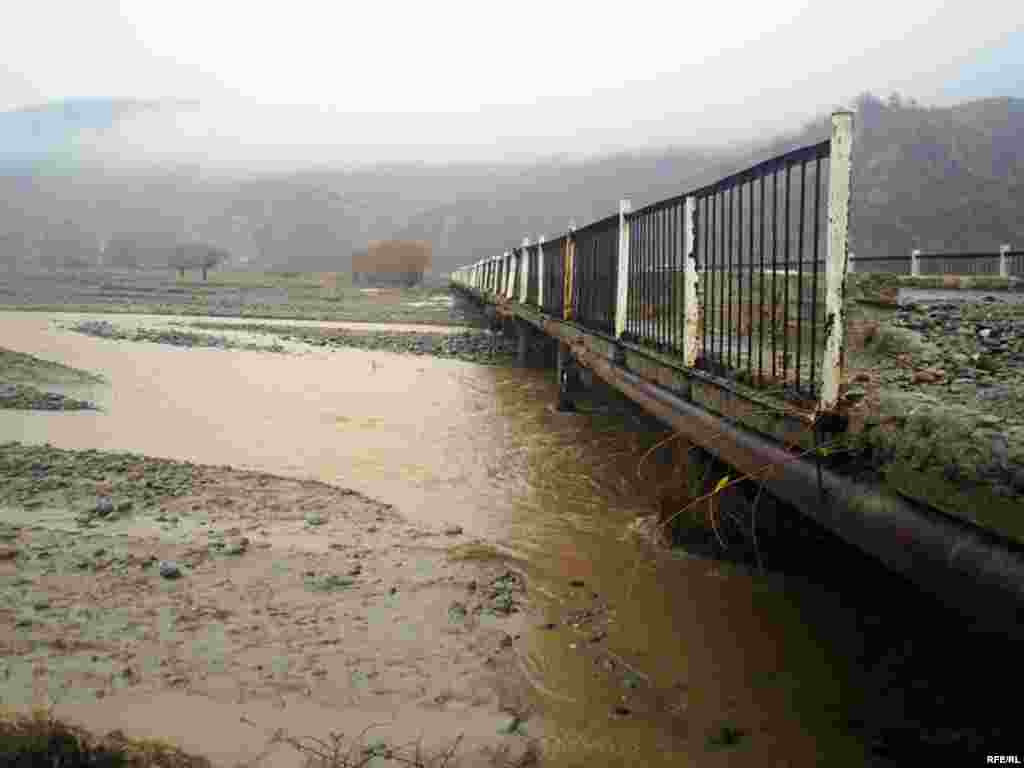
(565, 369)
(522, 343)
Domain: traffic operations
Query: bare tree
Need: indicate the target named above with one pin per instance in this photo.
(201, 256)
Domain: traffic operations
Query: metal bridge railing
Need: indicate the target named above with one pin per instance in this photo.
(760, 243)
(656, 306)
(532, 278)
(870, 265)
(553, 276)
(595, 270)
(743, 279)
(1001, 263)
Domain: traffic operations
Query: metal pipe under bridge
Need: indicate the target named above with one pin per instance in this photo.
(726, 312)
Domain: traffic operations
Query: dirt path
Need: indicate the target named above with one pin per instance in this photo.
(298, 609)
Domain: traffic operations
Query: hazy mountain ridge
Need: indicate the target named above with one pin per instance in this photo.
(939, 179)
(935, 178)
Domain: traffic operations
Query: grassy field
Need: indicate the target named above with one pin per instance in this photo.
(229, 293)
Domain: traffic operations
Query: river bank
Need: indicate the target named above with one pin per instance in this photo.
(214, 607)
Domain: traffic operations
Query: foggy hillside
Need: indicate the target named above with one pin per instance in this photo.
(929, 178)
(934, 178)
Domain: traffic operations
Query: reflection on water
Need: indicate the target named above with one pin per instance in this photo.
(447, 441)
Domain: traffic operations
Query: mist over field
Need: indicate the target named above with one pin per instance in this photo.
(309, 135)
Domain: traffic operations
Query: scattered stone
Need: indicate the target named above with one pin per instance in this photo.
(237, 546)
(925, 376)
(513, 726)
(725, 736)
(577, 583)
(355, 570)
(854, 394)
(457, 611)
(315, 518)
(328, 583)
(8, 553)
(169, 569)
(104, 507)
(453, 530)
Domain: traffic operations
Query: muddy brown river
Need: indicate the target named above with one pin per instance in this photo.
(452, 442)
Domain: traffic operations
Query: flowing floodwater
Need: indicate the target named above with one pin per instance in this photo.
(452, 442)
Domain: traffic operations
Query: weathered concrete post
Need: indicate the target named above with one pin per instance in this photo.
(622, 299)
(915, 262)
(837, 256)
(567, 286)
(510, 260)
(540, 272)
(1004, 260)
(524, 269)
(691, 285)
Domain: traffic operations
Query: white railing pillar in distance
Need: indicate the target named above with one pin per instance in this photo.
(524, 269)
(509, 266)
(915, 262)
(540, 272)
(567, 282)
(837, 257)
(691, 285)
(1004, 260)
(622, 294)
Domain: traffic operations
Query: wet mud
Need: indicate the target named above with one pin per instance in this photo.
(204, 604)
(619, 651)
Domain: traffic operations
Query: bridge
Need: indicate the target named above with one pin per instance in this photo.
(734, 314)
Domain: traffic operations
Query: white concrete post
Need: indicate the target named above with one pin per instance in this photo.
(568, 311)
(837, 257)
(691, 285)
(1004, 260)
(524, 269)
(540, 272)
(506, 289)
(622, 297)
(915, 263)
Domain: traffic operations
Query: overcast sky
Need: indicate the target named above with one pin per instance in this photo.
(449, 80)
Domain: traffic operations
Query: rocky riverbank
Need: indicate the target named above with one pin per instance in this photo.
(176, 338)
(230, 611)
(26, 397)
(472, 346)
(974, 353)
(25, 381)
